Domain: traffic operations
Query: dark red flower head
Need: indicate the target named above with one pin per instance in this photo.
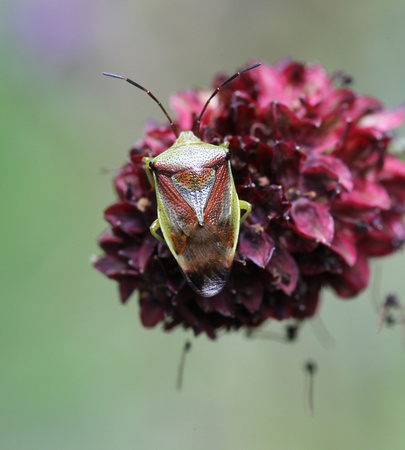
(312, 159)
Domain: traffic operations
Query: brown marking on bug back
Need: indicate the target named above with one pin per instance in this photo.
(226, 232)
(178, 242)
(194, 179)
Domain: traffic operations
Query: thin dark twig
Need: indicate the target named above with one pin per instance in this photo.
(180, 372)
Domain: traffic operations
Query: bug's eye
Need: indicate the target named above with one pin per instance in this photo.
(228, 156)
(151, 165)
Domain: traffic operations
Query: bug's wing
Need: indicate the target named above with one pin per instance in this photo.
(206, 262)
(195, 188)
(222, 210)
(208, 256)
(176, 217)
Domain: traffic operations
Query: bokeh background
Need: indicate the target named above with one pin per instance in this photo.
(77, 369)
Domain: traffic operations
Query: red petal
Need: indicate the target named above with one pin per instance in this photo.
(269, 203)
(139, 256)
(393, 168)
(392, 177)
(362, 106)
(131, 182)
(284, 269)
(344, 244)
(290, 127)
(184, 104)
(110, 242)
(328, 167)
(271, 87)
(383, 120)
(256, 246)
(127, 217)
(222, 303)
(364, 195)
(361, 149)
(313, 220)
(286, 164)
(387, 237)
(146, 251)
(152, 312)
(300, 80)
(249, 290)
(114, 267)
(308, 300)
(353, 279)
(126, 288)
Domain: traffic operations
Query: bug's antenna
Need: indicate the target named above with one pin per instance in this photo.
(198, 121)
(174, 128)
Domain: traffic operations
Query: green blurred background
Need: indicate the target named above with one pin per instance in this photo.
(77, 369)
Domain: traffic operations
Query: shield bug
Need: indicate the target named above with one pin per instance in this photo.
(198, 208)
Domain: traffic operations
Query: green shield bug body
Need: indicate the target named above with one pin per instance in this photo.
(197, 205)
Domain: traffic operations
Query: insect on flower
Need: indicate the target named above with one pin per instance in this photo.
(197, 204)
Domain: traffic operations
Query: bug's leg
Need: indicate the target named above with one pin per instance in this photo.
(153, 228)
(247, 206)
(146, 160)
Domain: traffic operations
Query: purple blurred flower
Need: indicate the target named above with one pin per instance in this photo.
(54, 30)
